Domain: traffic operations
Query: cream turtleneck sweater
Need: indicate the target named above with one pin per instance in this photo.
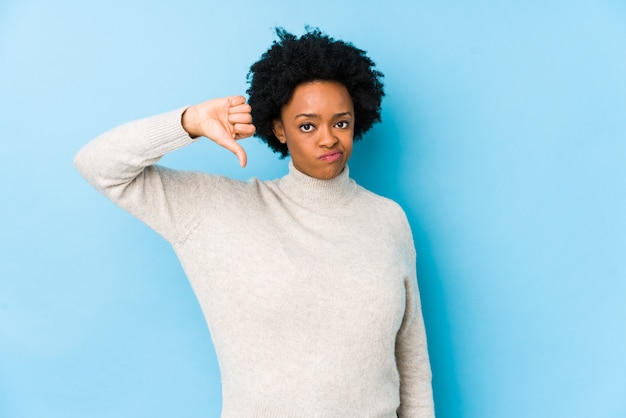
(308, 286)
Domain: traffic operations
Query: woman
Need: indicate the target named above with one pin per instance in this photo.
(307, 282)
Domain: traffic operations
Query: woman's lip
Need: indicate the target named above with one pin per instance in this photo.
(331, 156)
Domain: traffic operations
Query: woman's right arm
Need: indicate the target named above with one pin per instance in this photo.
(120, 162)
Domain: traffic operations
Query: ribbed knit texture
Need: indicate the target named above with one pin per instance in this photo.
(308, 286)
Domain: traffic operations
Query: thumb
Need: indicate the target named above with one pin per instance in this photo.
(238, 150)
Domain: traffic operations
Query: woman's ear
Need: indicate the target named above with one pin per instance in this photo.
(279, 131)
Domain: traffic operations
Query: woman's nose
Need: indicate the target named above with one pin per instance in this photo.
(327, 138)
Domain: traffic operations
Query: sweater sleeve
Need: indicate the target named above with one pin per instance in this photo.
(121, 164)
(416, 397)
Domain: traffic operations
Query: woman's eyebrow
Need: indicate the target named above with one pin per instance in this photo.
(316, 116)
(308, 115)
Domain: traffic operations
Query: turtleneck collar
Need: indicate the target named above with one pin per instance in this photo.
(316, 193)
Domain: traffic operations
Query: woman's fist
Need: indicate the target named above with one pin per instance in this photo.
(224, 121)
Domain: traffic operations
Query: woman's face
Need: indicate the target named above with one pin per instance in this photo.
(317, 125)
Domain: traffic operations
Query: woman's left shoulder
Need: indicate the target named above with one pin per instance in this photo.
(384, 206)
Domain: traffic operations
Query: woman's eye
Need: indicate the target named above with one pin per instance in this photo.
(307, 127)
(342, 124)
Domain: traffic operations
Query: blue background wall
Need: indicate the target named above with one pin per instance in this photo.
(503, 138)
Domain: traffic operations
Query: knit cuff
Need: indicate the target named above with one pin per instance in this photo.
(166, 132)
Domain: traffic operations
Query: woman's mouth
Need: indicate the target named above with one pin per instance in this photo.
(331, 156)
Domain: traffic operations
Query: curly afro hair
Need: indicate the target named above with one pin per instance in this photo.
(314, 56)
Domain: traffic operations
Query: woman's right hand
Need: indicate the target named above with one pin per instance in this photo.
(223, 121)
